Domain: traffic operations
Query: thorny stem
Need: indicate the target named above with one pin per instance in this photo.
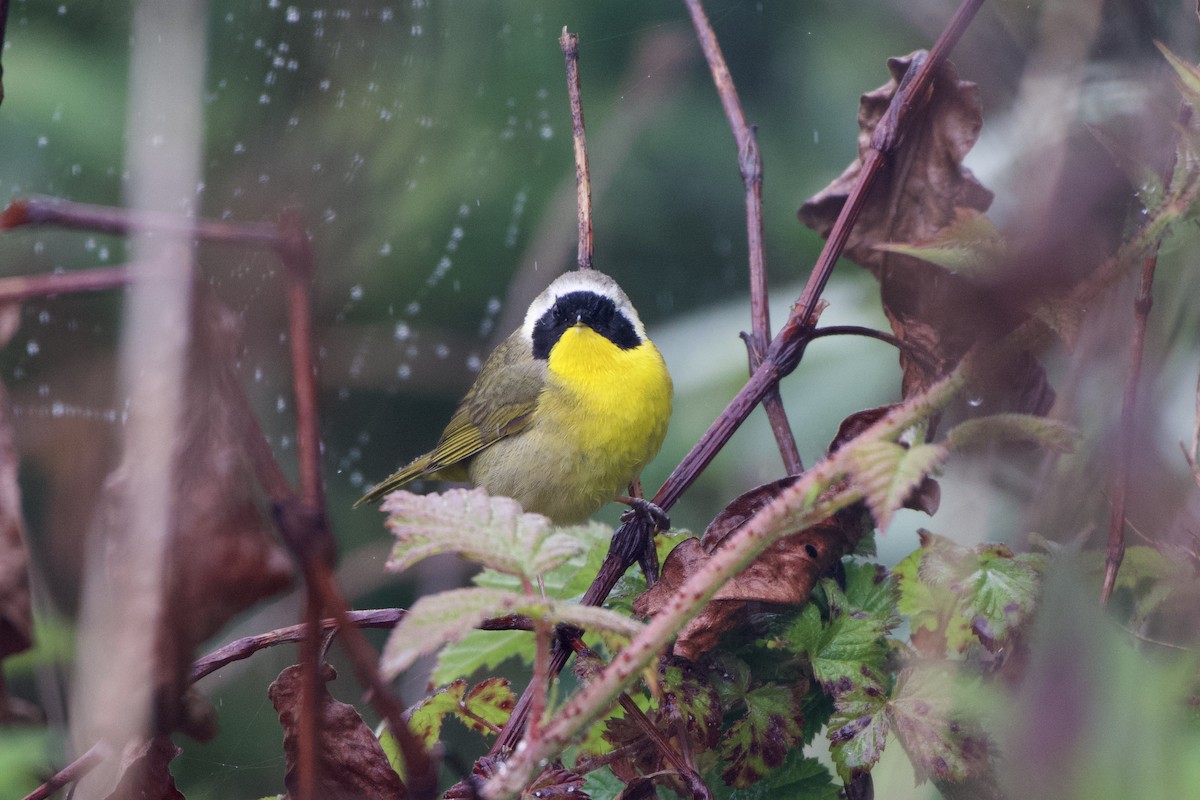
(569, 42)
(751, 168)
(1120, 484)
(814, 496)
(72, 772)
(783, 354)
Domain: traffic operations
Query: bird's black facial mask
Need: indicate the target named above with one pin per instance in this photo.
(594, 310)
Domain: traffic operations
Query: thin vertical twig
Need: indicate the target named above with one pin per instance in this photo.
(1120, 484)
(569, 42)
(751, 168)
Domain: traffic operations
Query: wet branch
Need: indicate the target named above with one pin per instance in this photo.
(1120, 484)
(72, 772)
(569, 42)
(751, 168)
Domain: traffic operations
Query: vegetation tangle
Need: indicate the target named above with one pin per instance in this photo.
(771, 655)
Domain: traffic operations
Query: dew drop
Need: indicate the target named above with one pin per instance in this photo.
(356, 292)
(385, 249)
(402, 332)
(292, 14)
(403, 372)
(32, 347)
(280, 404)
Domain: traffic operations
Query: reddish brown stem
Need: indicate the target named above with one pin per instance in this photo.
(24, 287)
(35, 211)
(583, 180)
(751, 168)
(71, 772)
(295, 250)
(782, 356)
(1141, 312)
(1120, 484)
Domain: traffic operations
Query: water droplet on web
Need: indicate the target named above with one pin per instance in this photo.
(280, 404)
(401, 332)
(974, 402)
(293, 14)
(42, 141)
(403, 372)
(32, 347)
(356, 292)
(43, 316)
(385, 249)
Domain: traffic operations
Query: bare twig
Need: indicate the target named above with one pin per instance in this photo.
(583, 182)
(71, 772)
(1120, 484)
(244, 648)
(751, 168)
(23, 287)
(34, 211)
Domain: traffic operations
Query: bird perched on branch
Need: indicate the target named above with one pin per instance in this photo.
(565, 412)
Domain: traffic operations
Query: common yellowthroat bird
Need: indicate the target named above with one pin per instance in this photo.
(565, 412)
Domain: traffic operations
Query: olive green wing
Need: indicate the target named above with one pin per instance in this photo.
(501, 403)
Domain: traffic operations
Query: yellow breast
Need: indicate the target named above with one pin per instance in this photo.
(600, 419)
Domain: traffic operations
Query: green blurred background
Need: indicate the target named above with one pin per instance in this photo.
(427, 144)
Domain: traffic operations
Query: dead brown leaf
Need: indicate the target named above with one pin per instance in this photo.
(350, 761)
(924, 190)
(221, 557)
(16, 614)
(783, 575)
(146, 771)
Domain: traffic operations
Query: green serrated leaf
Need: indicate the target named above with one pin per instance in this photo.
(931, 606)
(1001, 593)
(946, 746)
(687, 696)
(799, 778)
(439, 619)
(847, 652)
(971, 245)
(1187, 76)
(1049, 433)
(730, 676)
(871, 588)
(569, 580)
(858, 732)
(425, 719)
(759, 742)
(886, 473)
(481, 651)
(602, 784)
(487, 706)
(493, 531)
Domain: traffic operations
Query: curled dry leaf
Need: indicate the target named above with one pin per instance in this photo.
(16, 616)
(783, 575)
(787, 571)
(924, 191)
(221, 557)
(351, 763)
(146, 773)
